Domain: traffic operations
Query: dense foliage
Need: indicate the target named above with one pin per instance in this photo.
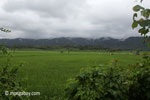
(104, 83)
(140, 88)
(112, 83)
(8, 83)
(8, 79)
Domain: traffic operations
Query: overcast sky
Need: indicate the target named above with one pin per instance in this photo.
(67, 18)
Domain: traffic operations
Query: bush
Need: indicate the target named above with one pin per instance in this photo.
(105, 83)
(4, 49)
(112, 83)
(8, 81)
(140, 89)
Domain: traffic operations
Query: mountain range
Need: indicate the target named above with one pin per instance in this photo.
(129, 43)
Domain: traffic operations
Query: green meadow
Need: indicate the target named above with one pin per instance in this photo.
(47, 72)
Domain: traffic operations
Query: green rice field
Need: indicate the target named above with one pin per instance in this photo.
(47, 72)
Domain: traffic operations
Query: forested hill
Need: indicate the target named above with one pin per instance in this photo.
(129, 43)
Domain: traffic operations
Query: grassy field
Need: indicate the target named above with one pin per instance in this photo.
(48, 71)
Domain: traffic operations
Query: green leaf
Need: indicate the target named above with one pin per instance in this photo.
(135, 15)
(144, 23)
(143, 31)
(137, 8)
(146, 13)
(141, 20)
(135, 24)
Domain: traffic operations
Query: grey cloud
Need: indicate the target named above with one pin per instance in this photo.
(45, 8)
(67, 18)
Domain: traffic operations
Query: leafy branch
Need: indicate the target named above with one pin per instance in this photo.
(141, 18)
(4, 30)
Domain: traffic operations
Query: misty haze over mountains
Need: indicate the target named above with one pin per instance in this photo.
(130, 43)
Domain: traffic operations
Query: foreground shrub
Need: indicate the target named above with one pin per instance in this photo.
(9, 83)
(140, 89)
(8, 80)
(104, 83)
(112, 83)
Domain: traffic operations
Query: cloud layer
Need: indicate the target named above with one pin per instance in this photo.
(67, 18)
